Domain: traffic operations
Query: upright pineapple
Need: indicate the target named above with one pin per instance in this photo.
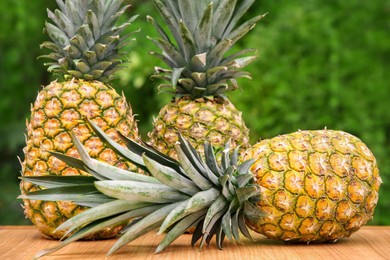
(85, 45)
(308, 186)
(315, 185)
(201, 73)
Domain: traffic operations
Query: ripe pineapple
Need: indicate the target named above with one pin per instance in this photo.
(309, 186)
(85, 47)
(201, 73)
(315, 185)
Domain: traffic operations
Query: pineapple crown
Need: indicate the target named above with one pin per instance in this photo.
(85, 42)
(216, 198)
(204, 31)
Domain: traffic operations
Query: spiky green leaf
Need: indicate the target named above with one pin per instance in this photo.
(54, 181)
(146, 224)
(140, 191)
(199, 201)
(179, 229)
(204, 29)
(170, 177)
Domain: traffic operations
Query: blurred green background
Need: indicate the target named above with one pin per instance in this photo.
(320, 64)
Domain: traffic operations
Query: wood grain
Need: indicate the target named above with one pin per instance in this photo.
(371, 242)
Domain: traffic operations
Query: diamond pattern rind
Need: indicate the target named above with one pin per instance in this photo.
(60, 108)
(207, 120)
(316, 186)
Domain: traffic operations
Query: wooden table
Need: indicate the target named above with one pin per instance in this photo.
(371, 242)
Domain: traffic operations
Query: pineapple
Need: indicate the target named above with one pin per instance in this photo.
(309, 186)
(315, 185)
(85, 50)
(201, 73)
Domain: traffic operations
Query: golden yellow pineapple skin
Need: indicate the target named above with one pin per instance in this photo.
(316, 186)
(213, 120)
(61, 107)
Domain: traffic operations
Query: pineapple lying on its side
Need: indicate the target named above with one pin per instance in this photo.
(201, 72)
(309, 186)
(315, 185)
(85, 47)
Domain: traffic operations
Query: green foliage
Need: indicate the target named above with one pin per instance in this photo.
(320, 64)
(20, 36)
(21, 24)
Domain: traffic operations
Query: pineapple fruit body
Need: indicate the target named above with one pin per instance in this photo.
(201, 70)
(316, 186)
(59, 109)
(85, 52)
(212, 120)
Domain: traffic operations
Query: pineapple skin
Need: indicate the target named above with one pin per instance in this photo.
(213, 120)
(58, 109)
(316, 186)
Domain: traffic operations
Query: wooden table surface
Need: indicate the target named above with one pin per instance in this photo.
(370, 242)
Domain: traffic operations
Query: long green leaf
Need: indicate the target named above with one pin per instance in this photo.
(97, 226)
(244, 193)
(240, 63)
(226, 225)
(222, 16)
(245, 166)
(191, 171)
(244, 29)
(102, 211)
(179, 229)
(80, 164)
(158, 28)
(244, 179)
(197, 202)
(115, 173)
(211, 229)
(188, 41)
(220, 237)
(176, 74)
(122, 151)
(242, 226)
(101, 170)
(150, 152)
(211, 160)
(189, 14)
(252, 212)
(240, 11)
(216, 54)
(218, 205)
(170, 51)
(140, 191)
(54, 181)
(197, 233)
(170, 177)
(105, 170)
(171, 16)
(77, 193)
(227, 219)
(62, 21)
(196, 160)
(225, 158)
(224, 181)
(57, 35)
(143, 226)
(204, 29)
(235, 227)
(236, 55)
